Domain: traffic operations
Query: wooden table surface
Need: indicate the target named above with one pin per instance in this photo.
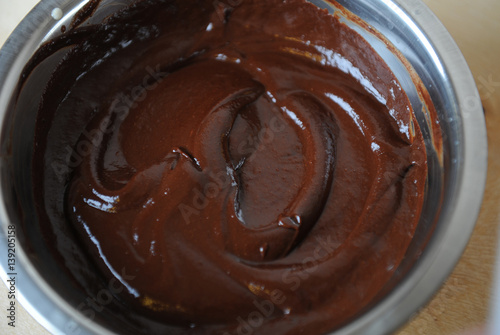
(463, 302)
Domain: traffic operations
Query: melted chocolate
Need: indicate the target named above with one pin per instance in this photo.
(254, 165)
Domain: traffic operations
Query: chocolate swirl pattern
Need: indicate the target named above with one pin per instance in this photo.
(275, 153)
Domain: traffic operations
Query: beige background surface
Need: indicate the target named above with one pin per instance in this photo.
(463, 302)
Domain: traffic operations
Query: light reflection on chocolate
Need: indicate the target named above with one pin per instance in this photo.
(270, 156)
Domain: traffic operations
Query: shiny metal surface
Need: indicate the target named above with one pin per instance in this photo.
(446, 224)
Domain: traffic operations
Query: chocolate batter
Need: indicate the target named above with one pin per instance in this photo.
(253, 166)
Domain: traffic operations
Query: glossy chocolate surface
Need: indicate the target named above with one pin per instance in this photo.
(249, 166)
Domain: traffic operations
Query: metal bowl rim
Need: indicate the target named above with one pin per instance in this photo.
(42, 301)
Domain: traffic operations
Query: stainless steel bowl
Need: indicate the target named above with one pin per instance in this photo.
(455, 182)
